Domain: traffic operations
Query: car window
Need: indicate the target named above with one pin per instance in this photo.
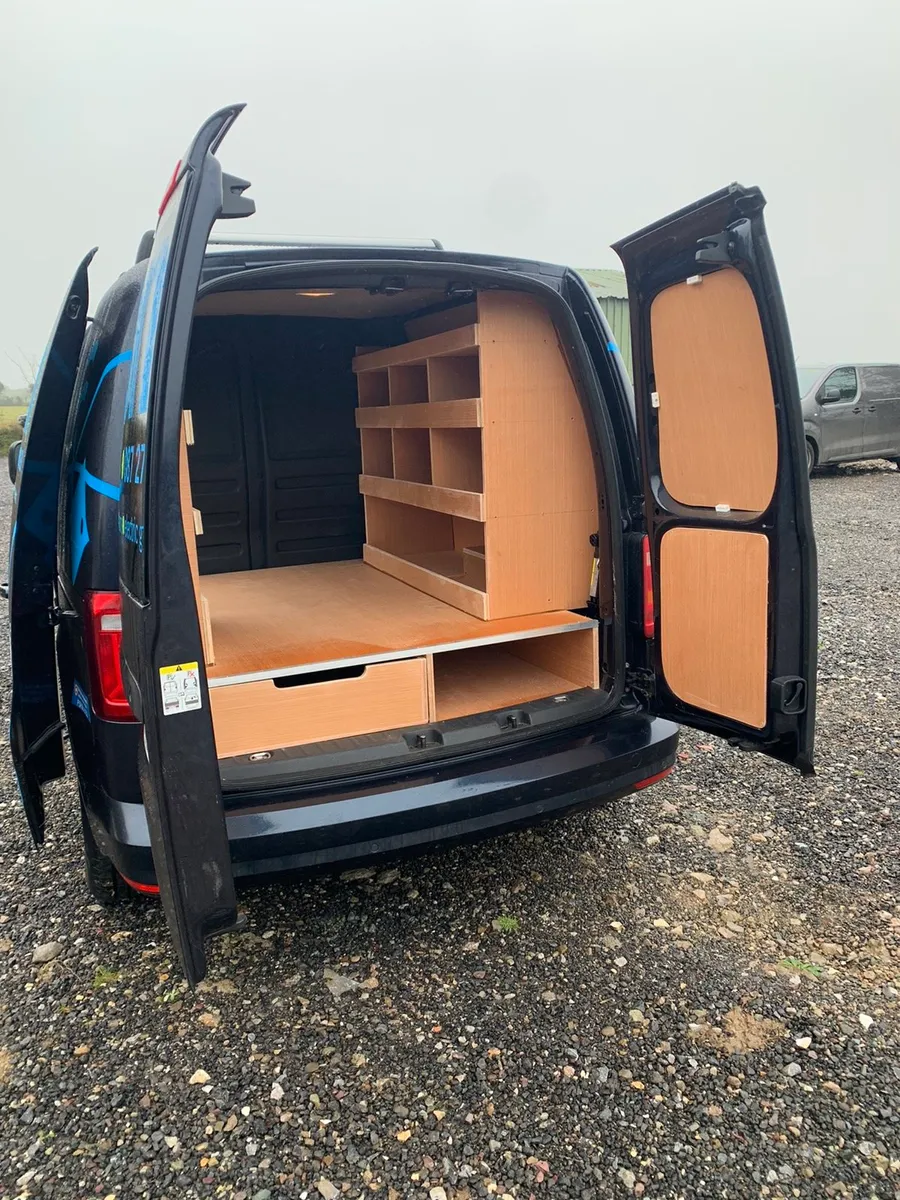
(843, 378)
(881, 383)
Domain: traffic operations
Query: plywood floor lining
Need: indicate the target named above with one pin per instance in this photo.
(294, 619)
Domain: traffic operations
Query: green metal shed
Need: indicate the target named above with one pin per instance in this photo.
(609, 288)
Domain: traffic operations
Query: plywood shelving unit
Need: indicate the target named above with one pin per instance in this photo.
(480, 497)
(478, 477)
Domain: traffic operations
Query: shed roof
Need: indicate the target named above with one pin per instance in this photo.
(605, 282)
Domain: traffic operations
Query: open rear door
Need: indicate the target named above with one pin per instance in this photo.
(725, 482)
(162, 655)
(35, 727)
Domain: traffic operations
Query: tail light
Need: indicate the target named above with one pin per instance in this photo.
(103, 620)
(649, 619)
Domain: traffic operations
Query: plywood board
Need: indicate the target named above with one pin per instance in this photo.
(253, 717)
(714, 587)
(440, 322)
(422, 575)
(539, 563)
(189, 516)
(422, 495)
(287, 619)
(718, 441)
(488, 678)
(456, 459)
(574, 656)
(455, 341)
(449, 414)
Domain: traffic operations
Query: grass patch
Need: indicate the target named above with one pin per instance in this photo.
(506, 924)
(104, 976)
(806, 968)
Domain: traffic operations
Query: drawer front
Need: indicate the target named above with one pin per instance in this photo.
(251, 717)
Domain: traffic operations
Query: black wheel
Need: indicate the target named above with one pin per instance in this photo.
(103, 880)
(810, 457)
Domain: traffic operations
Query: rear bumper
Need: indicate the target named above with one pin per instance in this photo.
(276, 831)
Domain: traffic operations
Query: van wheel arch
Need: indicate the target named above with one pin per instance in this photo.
(103, 880)
(812, 456)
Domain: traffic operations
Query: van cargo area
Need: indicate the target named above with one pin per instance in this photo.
(390, 506)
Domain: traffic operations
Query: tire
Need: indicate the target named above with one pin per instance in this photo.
(103, 880)
(810, 457)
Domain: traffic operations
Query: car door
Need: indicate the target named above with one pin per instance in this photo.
(881, 409)
(35, 727)
(841, 416)
(160, 631)
(726, 495)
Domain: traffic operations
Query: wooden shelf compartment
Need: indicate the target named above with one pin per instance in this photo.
(408, 384)
(377, 452)
(373, 389)
(445, 414)
(412, 454)
(453, 378)
(454, 341)
(249, 718)
(486, 678)
(454, 502)
(456, 459)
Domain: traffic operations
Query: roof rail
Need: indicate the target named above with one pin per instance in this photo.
(226, 241)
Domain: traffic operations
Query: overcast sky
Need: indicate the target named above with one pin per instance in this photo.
(547, 129)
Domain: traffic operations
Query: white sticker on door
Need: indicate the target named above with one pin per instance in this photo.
(180, 685)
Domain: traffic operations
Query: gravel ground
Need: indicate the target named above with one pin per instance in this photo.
(694, 993)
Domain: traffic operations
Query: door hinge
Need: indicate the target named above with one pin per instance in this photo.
(715, 248)
(640, 679)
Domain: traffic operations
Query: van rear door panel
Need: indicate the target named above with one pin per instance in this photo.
(162, 654)
(35, 719)
(725, 486)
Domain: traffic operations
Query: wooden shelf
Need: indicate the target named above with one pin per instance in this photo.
(412, 455)
(455, 502)
(441, 414)
(454, 341)
(507, 451)
(418, 570)
(377, 452)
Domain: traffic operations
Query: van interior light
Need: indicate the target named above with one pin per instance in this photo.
(314, 293)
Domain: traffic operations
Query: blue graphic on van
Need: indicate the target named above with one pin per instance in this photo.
(80, 700)
(79, 534)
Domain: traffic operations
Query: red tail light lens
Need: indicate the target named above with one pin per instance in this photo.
(103, 618)
(649, 620)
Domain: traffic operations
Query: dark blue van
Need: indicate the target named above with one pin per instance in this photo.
(323, 552)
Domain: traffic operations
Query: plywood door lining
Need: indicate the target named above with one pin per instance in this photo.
(718, 440)
(713, 603)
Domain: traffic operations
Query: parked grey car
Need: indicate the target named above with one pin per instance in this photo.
(850, 411)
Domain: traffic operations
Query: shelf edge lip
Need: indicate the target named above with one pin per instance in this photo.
(579, 623)
(452, 501)
(435, 408)
(410, 354)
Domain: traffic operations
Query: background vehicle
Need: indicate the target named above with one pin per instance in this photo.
(601, 576)
(850, 411)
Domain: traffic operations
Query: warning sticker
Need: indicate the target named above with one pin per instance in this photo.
(180, 687)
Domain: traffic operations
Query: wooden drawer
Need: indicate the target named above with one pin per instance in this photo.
(251, 717)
